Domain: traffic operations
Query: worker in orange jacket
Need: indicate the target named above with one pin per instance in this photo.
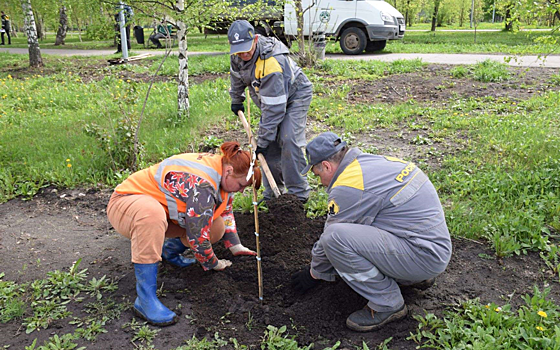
(187, 198)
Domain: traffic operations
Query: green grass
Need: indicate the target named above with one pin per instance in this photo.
(519, 43)
(472, 325)
(196, 42)
(466, 26)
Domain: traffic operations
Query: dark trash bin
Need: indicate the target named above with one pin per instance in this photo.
(139, 34)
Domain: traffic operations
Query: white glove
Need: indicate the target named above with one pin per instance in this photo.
(240, 249)
(222, 264)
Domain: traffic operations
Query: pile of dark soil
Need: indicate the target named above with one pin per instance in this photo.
(60, 227)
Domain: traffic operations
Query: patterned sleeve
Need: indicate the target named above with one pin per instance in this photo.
(231, 237)
(198, 194)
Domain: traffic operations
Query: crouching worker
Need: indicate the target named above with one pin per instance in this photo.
(385, 228)
(188, 199)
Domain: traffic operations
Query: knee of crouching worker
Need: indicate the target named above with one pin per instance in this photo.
(331, 237)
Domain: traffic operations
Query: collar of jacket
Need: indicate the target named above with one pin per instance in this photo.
(350, 156)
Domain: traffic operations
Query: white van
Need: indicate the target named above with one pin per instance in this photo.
(358, 24)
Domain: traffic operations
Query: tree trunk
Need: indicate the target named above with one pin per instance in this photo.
(183, 87)
(472, 13)
(508, 21)
(407, 19)
(35, 59)
(300, 38)
(63, 28)
(39, 25)
(434, 16)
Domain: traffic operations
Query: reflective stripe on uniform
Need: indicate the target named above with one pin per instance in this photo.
(171, 200)
(361, 276)
(276, 100)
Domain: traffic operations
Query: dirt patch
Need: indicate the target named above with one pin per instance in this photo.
(91, 70)
(435, 83)
(58, 227)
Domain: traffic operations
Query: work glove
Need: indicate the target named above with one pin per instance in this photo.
(240, 249)
(302, 281)
(222, 264)
(261, 150)
(236, 107)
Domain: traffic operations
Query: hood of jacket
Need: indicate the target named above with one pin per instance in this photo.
(268, 47)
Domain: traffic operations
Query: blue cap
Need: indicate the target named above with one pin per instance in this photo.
(321, 148)
(240, 36)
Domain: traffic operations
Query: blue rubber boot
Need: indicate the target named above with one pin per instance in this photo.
(172, 250)
(147, 305)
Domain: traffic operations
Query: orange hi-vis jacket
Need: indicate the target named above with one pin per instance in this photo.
(151, 181)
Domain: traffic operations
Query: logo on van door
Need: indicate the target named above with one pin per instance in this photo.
(324, 16)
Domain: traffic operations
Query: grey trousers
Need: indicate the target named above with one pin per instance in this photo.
(371, 261)
(285, 155)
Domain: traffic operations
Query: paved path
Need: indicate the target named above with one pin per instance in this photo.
(520, 61)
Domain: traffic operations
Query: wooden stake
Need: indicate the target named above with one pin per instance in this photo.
(256, 211)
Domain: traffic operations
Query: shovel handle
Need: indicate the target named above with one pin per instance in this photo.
(263, 162)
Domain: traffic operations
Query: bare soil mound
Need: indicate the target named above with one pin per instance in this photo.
(50, 232)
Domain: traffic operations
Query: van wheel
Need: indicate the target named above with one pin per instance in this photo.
(353, 41)
(373, 46)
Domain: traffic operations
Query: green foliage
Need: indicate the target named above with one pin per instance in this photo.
(11, 305)
(472, 325)
(44, 313)
(243, 202)
(119, 139)
(91, 330)
(145, 334)
(278, 339)
(316, 205)
(490, 71)
(100, 31)
(212, 142)
(459, 72)
(96, 286)
(64, 342)
(555, 79)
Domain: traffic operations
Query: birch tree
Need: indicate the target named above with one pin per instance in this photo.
(183, 86)
(35, 59)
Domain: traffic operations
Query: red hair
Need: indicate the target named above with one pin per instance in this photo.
(240, 160)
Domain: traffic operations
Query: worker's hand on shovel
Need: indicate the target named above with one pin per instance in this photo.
(240, 249)
(222, 264)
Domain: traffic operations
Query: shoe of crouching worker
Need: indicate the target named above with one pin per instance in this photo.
(147, 305)
(366, 319)
(425, 284)
(172, 250)
(422, 285)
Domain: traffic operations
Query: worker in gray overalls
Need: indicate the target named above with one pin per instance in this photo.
(385, 228)
(281, 90)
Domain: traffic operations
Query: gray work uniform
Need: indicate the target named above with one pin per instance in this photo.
(385, 225)
(283, 93)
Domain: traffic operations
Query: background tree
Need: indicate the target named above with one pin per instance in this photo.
(35, 59)
(62, 28)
